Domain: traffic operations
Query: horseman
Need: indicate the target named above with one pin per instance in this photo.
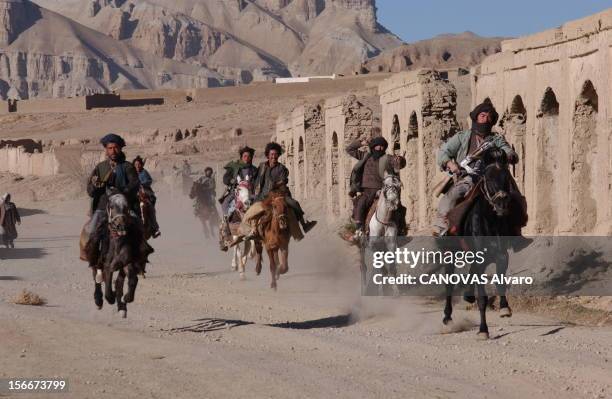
(116, 173)
(367, 179)
(203, 191)
(244, 168)
(272, 176)
(146, 182)
(457, 148)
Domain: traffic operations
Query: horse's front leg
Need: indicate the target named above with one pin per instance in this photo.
(448, 307)
(108, 284)
(272, 256)
(121, 307)
(483, 300)
(235, 256)
(98, 296)
(501, 267)
(284, 259)
(132, 276)
(258, 256)
(242, 259)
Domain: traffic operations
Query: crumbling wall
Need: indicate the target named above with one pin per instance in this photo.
(584, 141)
(346, 119)
(567, 174)
(425, 104)
(314, 125)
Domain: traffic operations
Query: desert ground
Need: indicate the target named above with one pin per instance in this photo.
(196, 330)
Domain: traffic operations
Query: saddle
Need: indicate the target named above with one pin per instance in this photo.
(457, 214)
(518, 208)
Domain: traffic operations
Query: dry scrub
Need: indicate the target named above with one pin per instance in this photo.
(29, 298)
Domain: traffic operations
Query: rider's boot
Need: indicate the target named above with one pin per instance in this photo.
(306, 225)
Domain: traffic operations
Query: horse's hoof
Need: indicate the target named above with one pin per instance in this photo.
(469, 298)
(505, 312)
(110, 299)
(123, 314)
(99, 278)
(127, 298)
(447, 320)
(242, 277)
(483, 335)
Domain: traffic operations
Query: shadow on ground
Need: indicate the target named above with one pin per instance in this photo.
(209, 324)
(22, 253)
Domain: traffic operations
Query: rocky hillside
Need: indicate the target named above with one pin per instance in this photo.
(44, 54)
(241, 40)
(443, 51)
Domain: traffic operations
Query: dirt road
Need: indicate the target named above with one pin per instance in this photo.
(195, 330)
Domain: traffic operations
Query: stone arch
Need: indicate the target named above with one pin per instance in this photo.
(396, 132)
(547, 163)
(584, 173)
(300, 173)
(335, 176)
(514, 123)
(412, 168)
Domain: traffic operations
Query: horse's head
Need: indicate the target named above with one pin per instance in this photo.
(118, 213)
(392, 187)
(279, 210)
(496, 187)
(243, 193)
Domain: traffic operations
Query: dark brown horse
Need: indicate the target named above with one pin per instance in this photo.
(276, 234)
(490, 217)
(123, 250)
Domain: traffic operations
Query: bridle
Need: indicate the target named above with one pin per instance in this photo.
(391, 184)
(240, 205)
(493, 197)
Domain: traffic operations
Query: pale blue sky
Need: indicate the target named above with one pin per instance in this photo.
(416, 20)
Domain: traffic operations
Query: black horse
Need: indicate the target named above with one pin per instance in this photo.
(123, 250)
(491, 217)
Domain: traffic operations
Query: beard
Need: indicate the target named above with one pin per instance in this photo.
(482, 129)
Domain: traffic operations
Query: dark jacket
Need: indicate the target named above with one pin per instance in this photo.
(270, 179)
(235, 168)
(128, 185)
(385, 163)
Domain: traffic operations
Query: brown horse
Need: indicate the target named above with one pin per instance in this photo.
(276, 234)
(205, 210)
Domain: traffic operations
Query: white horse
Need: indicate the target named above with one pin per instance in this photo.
(246, 249)
(383, 227)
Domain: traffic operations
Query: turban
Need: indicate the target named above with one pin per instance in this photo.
(486, 106)
(112, 138)
(376, 141)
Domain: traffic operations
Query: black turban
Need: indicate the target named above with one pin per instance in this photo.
(485, 106)
(248, 149)
(112, 138)
(379, 141)
(273, 146)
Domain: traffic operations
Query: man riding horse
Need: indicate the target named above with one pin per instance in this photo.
(203, 191)
(146, 182)
(271, 176)
(244, 169)
(367, 180)
(113, 174)
(454, 151)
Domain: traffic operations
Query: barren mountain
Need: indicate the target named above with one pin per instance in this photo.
(443, 51)
(242, 40)
(46, 54)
